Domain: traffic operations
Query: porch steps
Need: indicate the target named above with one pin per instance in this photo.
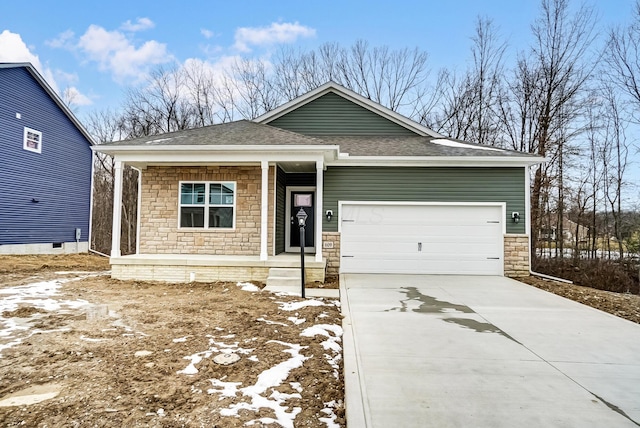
(283, 279)
(287, 280)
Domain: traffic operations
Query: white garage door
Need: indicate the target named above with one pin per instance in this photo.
(422, 239)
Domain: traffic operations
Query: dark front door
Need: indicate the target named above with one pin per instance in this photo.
(294, 236)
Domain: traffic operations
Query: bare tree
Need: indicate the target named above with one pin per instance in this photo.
(161, 105)
(254, 91)
(469, 105)
(107, 126)
(615, 159)
(486, 77)
(545, 103)
(622, 57)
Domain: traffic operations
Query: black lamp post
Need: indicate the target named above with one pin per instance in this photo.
(302, 219)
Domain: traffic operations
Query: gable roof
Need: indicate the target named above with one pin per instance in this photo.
(255, 138)
(52, 94)
(332, 87)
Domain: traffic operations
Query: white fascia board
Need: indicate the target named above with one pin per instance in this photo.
(216, 148)
(350, 95)
(214, 156)
(417, 161)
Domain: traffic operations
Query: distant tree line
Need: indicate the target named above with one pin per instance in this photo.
(571, 96)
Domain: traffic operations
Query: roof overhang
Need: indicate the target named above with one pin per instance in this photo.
(142, 156)
(353, 97)
(437, 161)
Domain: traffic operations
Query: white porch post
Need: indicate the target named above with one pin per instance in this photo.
(319, 212)
(117, 209)
(264, 210)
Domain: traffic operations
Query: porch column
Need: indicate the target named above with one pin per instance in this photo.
(319, 213)
(264, 210)
(117, 209)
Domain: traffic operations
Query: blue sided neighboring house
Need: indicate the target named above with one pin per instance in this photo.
(45, 168)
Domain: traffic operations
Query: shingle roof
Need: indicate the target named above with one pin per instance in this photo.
(413, 146)
(245, 132)
(242, 132)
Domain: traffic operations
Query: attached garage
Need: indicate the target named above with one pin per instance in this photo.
(422, 238)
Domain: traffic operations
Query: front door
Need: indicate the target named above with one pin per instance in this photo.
(300, 198)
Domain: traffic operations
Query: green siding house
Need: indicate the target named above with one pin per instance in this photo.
(382, 194)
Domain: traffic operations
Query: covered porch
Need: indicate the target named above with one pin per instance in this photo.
(260, 181)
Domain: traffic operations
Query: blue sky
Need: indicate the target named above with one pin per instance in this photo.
(97, 49)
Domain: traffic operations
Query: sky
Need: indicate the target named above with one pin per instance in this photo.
(96, 50)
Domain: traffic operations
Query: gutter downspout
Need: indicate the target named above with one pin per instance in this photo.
(527, 179)
(553, 278)
(138, 208)
(98, 253)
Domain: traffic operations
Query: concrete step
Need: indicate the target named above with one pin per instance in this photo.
(284, 272)
(283, 281)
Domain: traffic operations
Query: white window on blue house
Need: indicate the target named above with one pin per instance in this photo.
(210, 205)
(32, 140)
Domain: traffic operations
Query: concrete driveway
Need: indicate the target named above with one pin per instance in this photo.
(463, 351)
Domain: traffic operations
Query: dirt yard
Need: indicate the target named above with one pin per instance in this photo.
(78, 349)
(625, 306)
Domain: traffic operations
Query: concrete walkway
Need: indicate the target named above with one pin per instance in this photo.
(447, 351)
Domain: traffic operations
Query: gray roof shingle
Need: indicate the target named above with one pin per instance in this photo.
(245, 132)
(241, 132)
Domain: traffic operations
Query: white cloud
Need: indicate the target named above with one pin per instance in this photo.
(116, 53)
(14, 49)
(275, 33)
(140, 25)
(64, 40)
(207, 33)
(73, 96)
(68, 78)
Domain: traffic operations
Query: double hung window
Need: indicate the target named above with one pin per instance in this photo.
(32, 140)
(210, 205)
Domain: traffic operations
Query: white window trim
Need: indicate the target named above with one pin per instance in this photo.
(206, 206)
(24, 140)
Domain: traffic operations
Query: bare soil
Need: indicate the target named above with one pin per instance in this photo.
(623, 305)
(92, 355)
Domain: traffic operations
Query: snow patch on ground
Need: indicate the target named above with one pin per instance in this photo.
(333, 333)
(40, 295)
(214, 348)
(331, 418)
(247, 286)
(271, 322)
(294, 306)
(267, 380)
(296, 320)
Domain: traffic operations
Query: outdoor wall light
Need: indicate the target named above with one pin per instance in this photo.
(34, 200)
(515, 216)
(329, 214)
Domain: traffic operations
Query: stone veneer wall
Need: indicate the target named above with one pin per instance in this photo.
(159, 231)
(516, 255)
(332, 255)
